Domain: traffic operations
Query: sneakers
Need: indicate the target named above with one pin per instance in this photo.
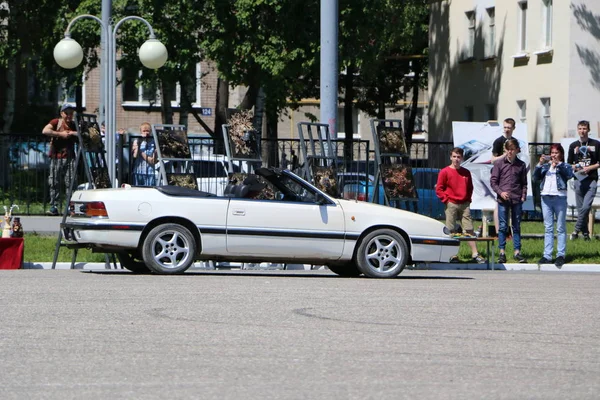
(479, 260)
(502, 258)
(586, 237)
(574, 236)
(518, 257)
(454, 259)
(52, 211)
(560, 261)
(544, 260)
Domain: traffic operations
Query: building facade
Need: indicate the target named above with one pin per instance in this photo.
(537, 61)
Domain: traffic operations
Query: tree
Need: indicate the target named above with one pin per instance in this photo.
(382, 43)
(26, 42)
(265, 44)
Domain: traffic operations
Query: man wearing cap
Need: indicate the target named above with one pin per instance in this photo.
(63, 136)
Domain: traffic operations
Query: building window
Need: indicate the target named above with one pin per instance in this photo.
(341, 126)
(547, 24)
(135, 93)
(522, 46)
(490, 112)
(544, 128)
(470, 45)
(67, 91)
(469, 114)
(418, 119)
(490, 43)
(522, 110)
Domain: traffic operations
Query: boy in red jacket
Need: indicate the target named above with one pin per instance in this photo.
(455, 188)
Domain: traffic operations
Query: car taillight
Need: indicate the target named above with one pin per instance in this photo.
(362, 197)
(95, 209)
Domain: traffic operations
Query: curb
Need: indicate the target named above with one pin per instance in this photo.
(422, 267)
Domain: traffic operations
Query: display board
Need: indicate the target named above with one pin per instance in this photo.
(317, 149)
(175, 162)
(393, 161)
(477, 138)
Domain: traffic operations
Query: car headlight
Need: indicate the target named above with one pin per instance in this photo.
(446, 230)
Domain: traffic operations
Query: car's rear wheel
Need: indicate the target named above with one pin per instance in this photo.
(348, 269)
(382, 253)
(169, 249)
(130, 262)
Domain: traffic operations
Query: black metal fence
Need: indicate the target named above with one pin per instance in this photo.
(25, 163)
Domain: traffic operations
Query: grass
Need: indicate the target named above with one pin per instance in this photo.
(40, 248)
(578, 251)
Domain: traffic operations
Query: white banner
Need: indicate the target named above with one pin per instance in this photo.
(476, 138)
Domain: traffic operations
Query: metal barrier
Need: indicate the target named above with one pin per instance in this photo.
(24, 174)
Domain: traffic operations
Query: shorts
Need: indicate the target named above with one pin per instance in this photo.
(454, 212)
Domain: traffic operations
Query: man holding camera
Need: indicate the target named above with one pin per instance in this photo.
(583, 156)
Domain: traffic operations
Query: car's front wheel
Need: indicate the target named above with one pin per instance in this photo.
(348, 270)
(169, 249)
(382, 253)
(129, 261)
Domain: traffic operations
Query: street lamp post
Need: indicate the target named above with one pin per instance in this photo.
(69, 54)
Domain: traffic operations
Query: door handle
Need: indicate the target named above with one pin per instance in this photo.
(239, 212)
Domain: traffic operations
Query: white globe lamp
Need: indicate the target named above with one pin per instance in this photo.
(68, 53)
(153, 54)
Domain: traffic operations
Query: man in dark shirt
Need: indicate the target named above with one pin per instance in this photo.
(508, 128)
(498, 145)
(63, 136)
(583, 156)
(509, 181)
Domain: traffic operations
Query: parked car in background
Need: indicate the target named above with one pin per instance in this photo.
(361, 187)
(429, 204)
(212, 173)
(358, 186)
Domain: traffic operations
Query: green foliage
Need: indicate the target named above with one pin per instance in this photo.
(383, 40)
(271, 44)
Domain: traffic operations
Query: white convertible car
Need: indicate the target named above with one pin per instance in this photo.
(165, 229)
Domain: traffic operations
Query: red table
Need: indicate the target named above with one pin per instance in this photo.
(11, 253)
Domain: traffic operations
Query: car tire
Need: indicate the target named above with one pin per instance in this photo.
(169, 249)
(382, 253)
(128, 261)
(347, 270)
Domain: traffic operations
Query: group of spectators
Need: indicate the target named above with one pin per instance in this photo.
(509, 183)
(63, 137)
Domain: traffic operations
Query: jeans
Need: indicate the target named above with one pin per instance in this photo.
(555, 206)
(515, 211)
(585, 191)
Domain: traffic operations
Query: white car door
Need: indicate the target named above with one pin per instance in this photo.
(295, 229)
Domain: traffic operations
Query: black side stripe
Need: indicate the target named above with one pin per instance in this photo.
(105, 227)
(435, 242)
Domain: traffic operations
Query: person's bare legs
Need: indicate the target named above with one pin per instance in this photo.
(473, 247)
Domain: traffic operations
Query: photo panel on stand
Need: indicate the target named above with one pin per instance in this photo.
(173, 143)
(325, 177)
(391, 140)
(398, 181)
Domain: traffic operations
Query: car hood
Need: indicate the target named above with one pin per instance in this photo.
(361, 214)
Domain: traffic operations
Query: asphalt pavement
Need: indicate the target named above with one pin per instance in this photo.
(299, 335)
